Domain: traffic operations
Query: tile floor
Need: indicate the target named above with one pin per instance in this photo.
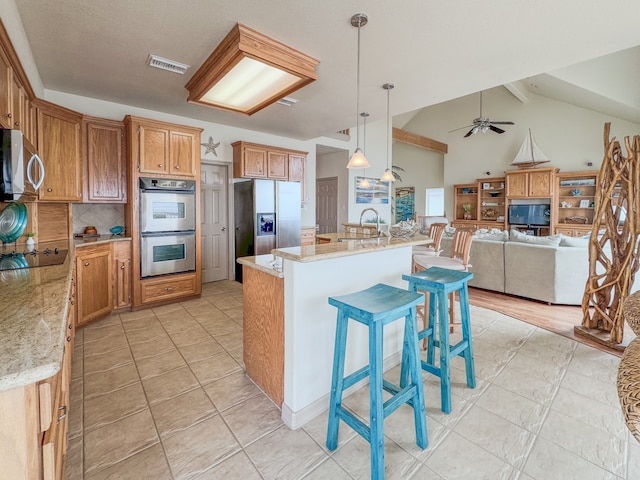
(161, 394)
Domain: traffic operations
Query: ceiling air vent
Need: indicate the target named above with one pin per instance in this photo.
(288, 101)
(165, 64)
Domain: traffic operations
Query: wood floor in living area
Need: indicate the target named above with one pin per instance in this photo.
(559, 319)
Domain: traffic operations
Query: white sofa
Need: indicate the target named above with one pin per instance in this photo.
(553, 274)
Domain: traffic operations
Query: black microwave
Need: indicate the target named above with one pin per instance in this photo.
(21, 170)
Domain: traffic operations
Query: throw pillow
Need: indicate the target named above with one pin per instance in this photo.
(566, 241)
(494, 234)
(551, 240)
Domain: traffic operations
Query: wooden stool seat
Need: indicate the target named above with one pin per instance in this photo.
(439, 283)
(376, 307)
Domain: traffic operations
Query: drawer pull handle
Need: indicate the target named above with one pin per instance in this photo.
(72, 302)
(17, 124)
(70, 327)
(122, 266)
(160, 165)
(64, 412)
(9, 115)
(170, 289)
(69, 339)
(49, 190)
(86, 264)
(177, 167)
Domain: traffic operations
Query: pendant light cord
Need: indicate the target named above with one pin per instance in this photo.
(388, 94)
(358, 89)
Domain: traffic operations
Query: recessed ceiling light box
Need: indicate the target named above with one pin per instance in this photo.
(249, 71)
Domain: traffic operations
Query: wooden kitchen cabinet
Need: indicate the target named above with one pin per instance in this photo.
(105, 178)
(530, 183)
(168, 287)
(59, 147)
(5, 91)
(297, 163)
(251, 160)
(165, 149)
(94, 271)
(307, 236)
(122, 274)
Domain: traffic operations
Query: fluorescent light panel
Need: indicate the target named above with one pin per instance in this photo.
(249, 71)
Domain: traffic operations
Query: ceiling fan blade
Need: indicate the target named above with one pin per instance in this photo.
(469, 133)
(495, 129)
(502, 123)
(467, 126)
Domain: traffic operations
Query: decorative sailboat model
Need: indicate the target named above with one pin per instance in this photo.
(529, 154)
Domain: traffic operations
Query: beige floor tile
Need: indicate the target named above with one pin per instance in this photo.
(107, 344)
(317, 428)
(515, 408)
(285, 454)
(105, 382)
(602, 391)
(552, 341)
(133, 317)
(444, 461)
(633, 464)
(172, 308)
(531, 387)
(208, 347)
(214, 368)
(541, 353)
(490, 351)
(73, 462)
(231, 390)
(200, 447)
(226, 302)
(177, 323)
(149, 463)
(181, 412)
(602, 366)
(548, 372)
(104, 409)
(169, 385)
(219, 326)
(152, 330)
(355, 458)
(98, 331)
(237, 466)
(108, 445)
(252, 419)
(104, 323)
(76, 402)
(77, 363)
(328, 469)
(230, 340)
(206, 314)
(160, 364)
(590, 443)
(547, 457)
(107, 361)
(425, 472)
(202, 309)
(500, 437)
(189, 336)
(150, 322)
(152, 347)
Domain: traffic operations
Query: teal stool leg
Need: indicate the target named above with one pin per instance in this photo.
(337, 380)
(431, 342)
(443, 343)
(466, 336)
(376, 413)
(412, 345)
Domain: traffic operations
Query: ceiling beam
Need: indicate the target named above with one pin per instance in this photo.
(419, 141)
(518, 90)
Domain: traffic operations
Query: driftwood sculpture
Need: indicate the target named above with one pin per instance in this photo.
(613, 246)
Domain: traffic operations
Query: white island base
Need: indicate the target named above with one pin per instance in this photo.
(309, 276)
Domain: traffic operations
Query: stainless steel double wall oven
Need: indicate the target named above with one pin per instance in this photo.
(167, 226)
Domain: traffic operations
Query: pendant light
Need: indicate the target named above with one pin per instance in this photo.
(358, 160)
(387, 176)
(364, 183)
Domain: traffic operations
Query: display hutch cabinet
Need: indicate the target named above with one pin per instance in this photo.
(480, 205)
(575, 202)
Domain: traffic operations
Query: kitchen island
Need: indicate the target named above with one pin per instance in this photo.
(289, 327)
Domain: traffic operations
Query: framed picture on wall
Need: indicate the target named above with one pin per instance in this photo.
(486, 186)
(371, 190)
(584, 203)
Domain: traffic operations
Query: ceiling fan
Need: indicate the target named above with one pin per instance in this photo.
(482, 124)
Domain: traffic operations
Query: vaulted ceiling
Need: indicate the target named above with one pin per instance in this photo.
(433, 51)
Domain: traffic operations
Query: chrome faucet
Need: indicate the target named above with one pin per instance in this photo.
(377, 219)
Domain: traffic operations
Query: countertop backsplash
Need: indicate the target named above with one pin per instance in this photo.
(101, 215)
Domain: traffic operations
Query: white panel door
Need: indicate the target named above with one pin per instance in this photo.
(327, 205)
(215, 231)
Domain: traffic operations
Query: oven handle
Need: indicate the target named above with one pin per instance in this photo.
(180, 233)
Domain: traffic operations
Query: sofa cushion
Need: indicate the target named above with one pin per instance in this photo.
(493, 234)
(551, 240)
(566, 241)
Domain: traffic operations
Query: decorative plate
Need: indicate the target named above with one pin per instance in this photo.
(13, 220)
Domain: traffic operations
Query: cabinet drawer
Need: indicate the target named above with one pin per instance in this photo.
(164, 289)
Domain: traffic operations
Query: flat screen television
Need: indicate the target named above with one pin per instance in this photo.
(529, 214)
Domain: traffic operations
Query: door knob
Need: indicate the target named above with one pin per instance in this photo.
(224, 229)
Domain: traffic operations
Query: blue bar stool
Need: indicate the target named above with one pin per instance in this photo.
(439, 283)
(375, 307)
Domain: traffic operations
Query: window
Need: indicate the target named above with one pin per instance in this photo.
(434, 202)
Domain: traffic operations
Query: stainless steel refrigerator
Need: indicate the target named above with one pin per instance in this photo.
(267, 216)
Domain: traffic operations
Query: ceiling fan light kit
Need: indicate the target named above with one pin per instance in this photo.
(483, 124)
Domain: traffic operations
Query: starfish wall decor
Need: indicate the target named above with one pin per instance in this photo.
(210, 146)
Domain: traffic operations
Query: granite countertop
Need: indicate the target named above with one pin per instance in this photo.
(353, 245)
(79, 242)
(265, 263)
(34, 305)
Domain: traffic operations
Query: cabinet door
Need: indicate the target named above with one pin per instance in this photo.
(59, 149)
(182, 147)
(278, 165)
(5, 93)
(254, 161)
(296, 172)
(517, 184)
(105, 179)
(154, 149)
(16, 102)
(94, 272)
(540, 184)
(122, 272)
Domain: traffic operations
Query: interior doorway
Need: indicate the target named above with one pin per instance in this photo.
(214, 218)
(327, 204)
